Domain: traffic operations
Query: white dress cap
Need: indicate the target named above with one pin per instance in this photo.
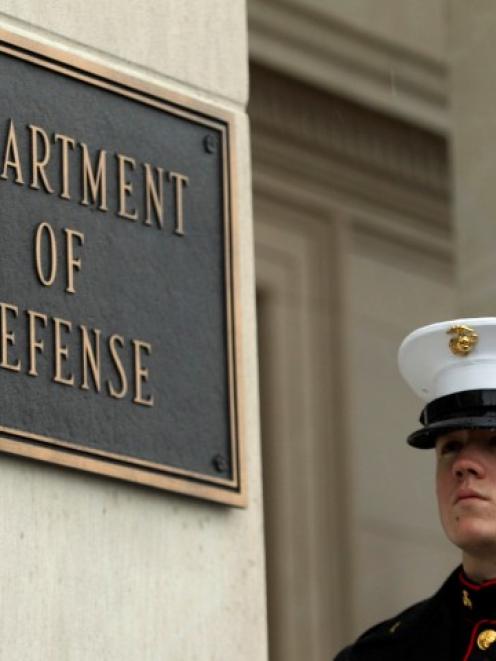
(450, 357)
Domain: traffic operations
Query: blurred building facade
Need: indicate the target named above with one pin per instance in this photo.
(355, 246)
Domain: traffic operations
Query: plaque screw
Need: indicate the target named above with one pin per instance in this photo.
(220, 463)
(210, 144)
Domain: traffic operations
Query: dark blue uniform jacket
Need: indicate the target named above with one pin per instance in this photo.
(457, 624)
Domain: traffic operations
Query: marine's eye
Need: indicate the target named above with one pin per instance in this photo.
(450, 446)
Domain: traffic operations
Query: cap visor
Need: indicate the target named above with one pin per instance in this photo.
(425, 438)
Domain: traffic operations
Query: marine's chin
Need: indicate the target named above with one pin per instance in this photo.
(473, 534)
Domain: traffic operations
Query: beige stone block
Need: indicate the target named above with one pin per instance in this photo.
(92, 569)
(196, 44)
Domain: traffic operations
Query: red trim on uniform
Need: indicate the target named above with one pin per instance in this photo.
(473, 635)
(476, 586)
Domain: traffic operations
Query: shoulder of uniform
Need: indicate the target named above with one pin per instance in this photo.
(388, 633)
(398, 624)
(408, 629)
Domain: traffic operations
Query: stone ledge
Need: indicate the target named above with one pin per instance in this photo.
(328, 53)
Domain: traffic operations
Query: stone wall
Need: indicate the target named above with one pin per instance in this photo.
(99, 569)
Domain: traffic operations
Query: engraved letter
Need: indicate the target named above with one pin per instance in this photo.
(11, 155)
(181, 181)
(7, 337)
(65, 143)
(35, 345)
(72, 263)
(154, 196)
(38, 164)
(141, 373)
(90, 356)
(53, 254)
(96, 183)
(125, 187)
(118, 394)
(61, 352)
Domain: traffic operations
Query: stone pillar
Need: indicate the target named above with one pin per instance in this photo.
(473, 50)
(98, 569)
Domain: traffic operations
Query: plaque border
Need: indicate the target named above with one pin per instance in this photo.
(35, 446)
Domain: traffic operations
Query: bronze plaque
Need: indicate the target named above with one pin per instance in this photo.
(119, 349)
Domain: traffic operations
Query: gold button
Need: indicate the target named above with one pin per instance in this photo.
(486, 638)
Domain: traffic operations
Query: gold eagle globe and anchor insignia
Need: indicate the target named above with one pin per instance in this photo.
(467, 602)
(464, 340)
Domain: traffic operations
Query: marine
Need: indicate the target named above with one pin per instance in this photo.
(451, 365)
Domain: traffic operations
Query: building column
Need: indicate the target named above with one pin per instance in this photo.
(473, 50)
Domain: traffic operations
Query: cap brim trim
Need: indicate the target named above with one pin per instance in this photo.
(425, 438)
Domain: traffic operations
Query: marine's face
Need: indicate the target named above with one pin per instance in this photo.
(466, 489)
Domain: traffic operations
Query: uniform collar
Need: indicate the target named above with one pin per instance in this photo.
(477, 600)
